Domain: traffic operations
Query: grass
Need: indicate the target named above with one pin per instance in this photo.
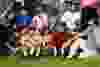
(61, 60)
(7, 60)
(53, 61)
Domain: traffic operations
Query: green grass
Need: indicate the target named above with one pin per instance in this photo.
(94, 60)
(7, 60)
(53, 61)
(61, 60)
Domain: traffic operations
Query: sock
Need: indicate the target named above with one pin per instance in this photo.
(55, 52)
(85, 49)
(37, 51)
(89, 51)
(62, 51)
(72, 51)
(32, 50)
(66, 51)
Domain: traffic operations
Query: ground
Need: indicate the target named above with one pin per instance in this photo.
(92, 61)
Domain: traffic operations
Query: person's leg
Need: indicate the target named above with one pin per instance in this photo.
(66, 52)
(88, 47)
(31, 51)
(51, 52)
(73, 48)
(37, 51)
(59, 51)
(24, 50)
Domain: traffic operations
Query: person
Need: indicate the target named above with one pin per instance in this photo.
(72, 44)
(55, 43)
(88, 45)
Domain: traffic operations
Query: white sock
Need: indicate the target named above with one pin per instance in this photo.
(72, 51)
(85, 49)
(38, 51)
(32, 51)
(55, 51)
(62, 51)
(90, 51)
(25, 51)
